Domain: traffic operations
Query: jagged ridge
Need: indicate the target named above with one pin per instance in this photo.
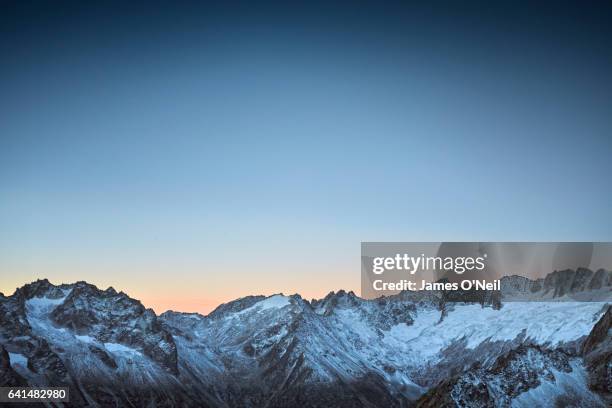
(283, 350)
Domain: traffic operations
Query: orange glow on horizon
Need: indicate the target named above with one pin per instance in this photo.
(187, 292)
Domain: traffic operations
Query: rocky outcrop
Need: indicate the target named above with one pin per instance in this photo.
(383, 313)
(569, 283)
(112, 317)
(43, 288)
(512, 374)
(8, 376)
(13, 321)
(580, 280)
(597, 351)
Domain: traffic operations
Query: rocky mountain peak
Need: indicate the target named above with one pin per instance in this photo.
(41, 288)
(235, 306)
(112, 317)
(597, 351)
(579, 284)
(333, 300)
(572, 281)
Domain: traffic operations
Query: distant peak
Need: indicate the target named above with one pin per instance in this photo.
(40, 288)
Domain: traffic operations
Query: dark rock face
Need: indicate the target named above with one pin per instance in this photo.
(13, 322)
(103, 356)
(570, 283)
(116, 318)
(445, 394)
(45, 361)
(8, 376)
(567, 281)
(384, 312)
(597, 351)
(601, 279)
(523, 368)
(333, 300)
(513, 373)
(449, 366)
(42, 288)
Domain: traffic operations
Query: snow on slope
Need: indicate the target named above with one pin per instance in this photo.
(85, 339)
(412, 345)
(41, 305)
(555, 322)
(75, 348)
(38, 310)
(272, 302)
(117, 348)
(283, 337)
(572, 387)
(18, 360)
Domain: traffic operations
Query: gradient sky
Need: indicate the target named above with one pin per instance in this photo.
(193, 154)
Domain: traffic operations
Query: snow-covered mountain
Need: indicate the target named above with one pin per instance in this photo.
(411, 349)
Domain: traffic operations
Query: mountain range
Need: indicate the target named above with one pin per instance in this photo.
(413, 349)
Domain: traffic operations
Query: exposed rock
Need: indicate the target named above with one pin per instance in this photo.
(282, 351)
(513, 373)
(103, 356)
(597, 351)
(576, 284)
(46, 361)
(8, 376)
(42, 288)
(113, 317)
(235, 306)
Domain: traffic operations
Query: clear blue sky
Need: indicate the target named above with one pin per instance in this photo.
(208, 153)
